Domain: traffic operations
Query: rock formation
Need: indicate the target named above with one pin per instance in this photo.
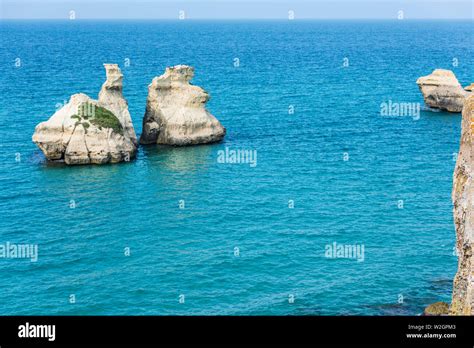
(463, 200)
(435, 309)
(441, 90)
(470, 88)
(90, 131)
(175, 111)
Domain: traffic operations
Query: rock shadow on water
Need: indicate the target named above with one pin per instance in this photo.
(310, 311)
(415, 302)
(428, 109)
(96, 180)
(441, 285)
(383, 309)
(180, 159)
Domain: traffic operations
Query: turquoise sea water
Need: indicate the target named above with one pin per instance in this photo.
(407, 252)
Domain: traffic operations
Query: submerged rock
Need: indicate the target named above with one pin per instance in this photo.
(442, 90)
(463, 201)
(87, 131)
(175, 111)
(438, 308)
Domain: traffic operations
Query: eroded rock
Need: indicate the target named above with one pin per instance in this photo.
(463, 201)
(442, 90)
(87, 131)
(176, 113)
(437, 308)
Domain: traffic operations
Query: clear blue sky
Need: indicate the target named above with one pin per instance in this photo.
(233, 9)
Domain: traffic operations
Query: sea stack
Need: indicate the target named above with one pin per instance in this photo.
(442, 90)
(463, 200)
(88, 131)
(176, 113)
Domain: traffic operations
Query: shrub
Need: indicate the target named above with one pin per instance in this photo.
(102, 118)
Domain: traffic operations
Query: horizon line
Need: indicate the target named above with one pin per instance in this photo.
(237, 19)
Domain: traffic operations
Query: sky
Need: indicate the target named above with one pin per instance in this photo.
(236, 9)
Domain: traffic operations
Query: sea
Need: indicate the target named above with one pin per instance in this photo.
(344, 208)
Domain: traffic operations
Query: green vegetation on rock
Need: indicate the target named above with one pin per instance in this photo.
(103, 118)
(98, 116)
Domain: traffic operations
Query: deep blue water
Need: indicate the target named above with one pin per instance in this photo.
(190, 251)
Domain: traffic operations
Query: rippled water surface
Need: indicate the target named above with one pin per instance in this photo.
(281, 251)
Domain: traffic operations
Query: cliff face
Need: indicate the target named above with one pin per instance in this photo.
(176, 113)
(463, 200)
(86, 131)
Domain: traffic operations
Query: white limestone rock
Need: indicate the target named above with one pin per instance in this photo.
(463, 202)
(87, 131)
(176, 113)
(111, 97)
(442, 90)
